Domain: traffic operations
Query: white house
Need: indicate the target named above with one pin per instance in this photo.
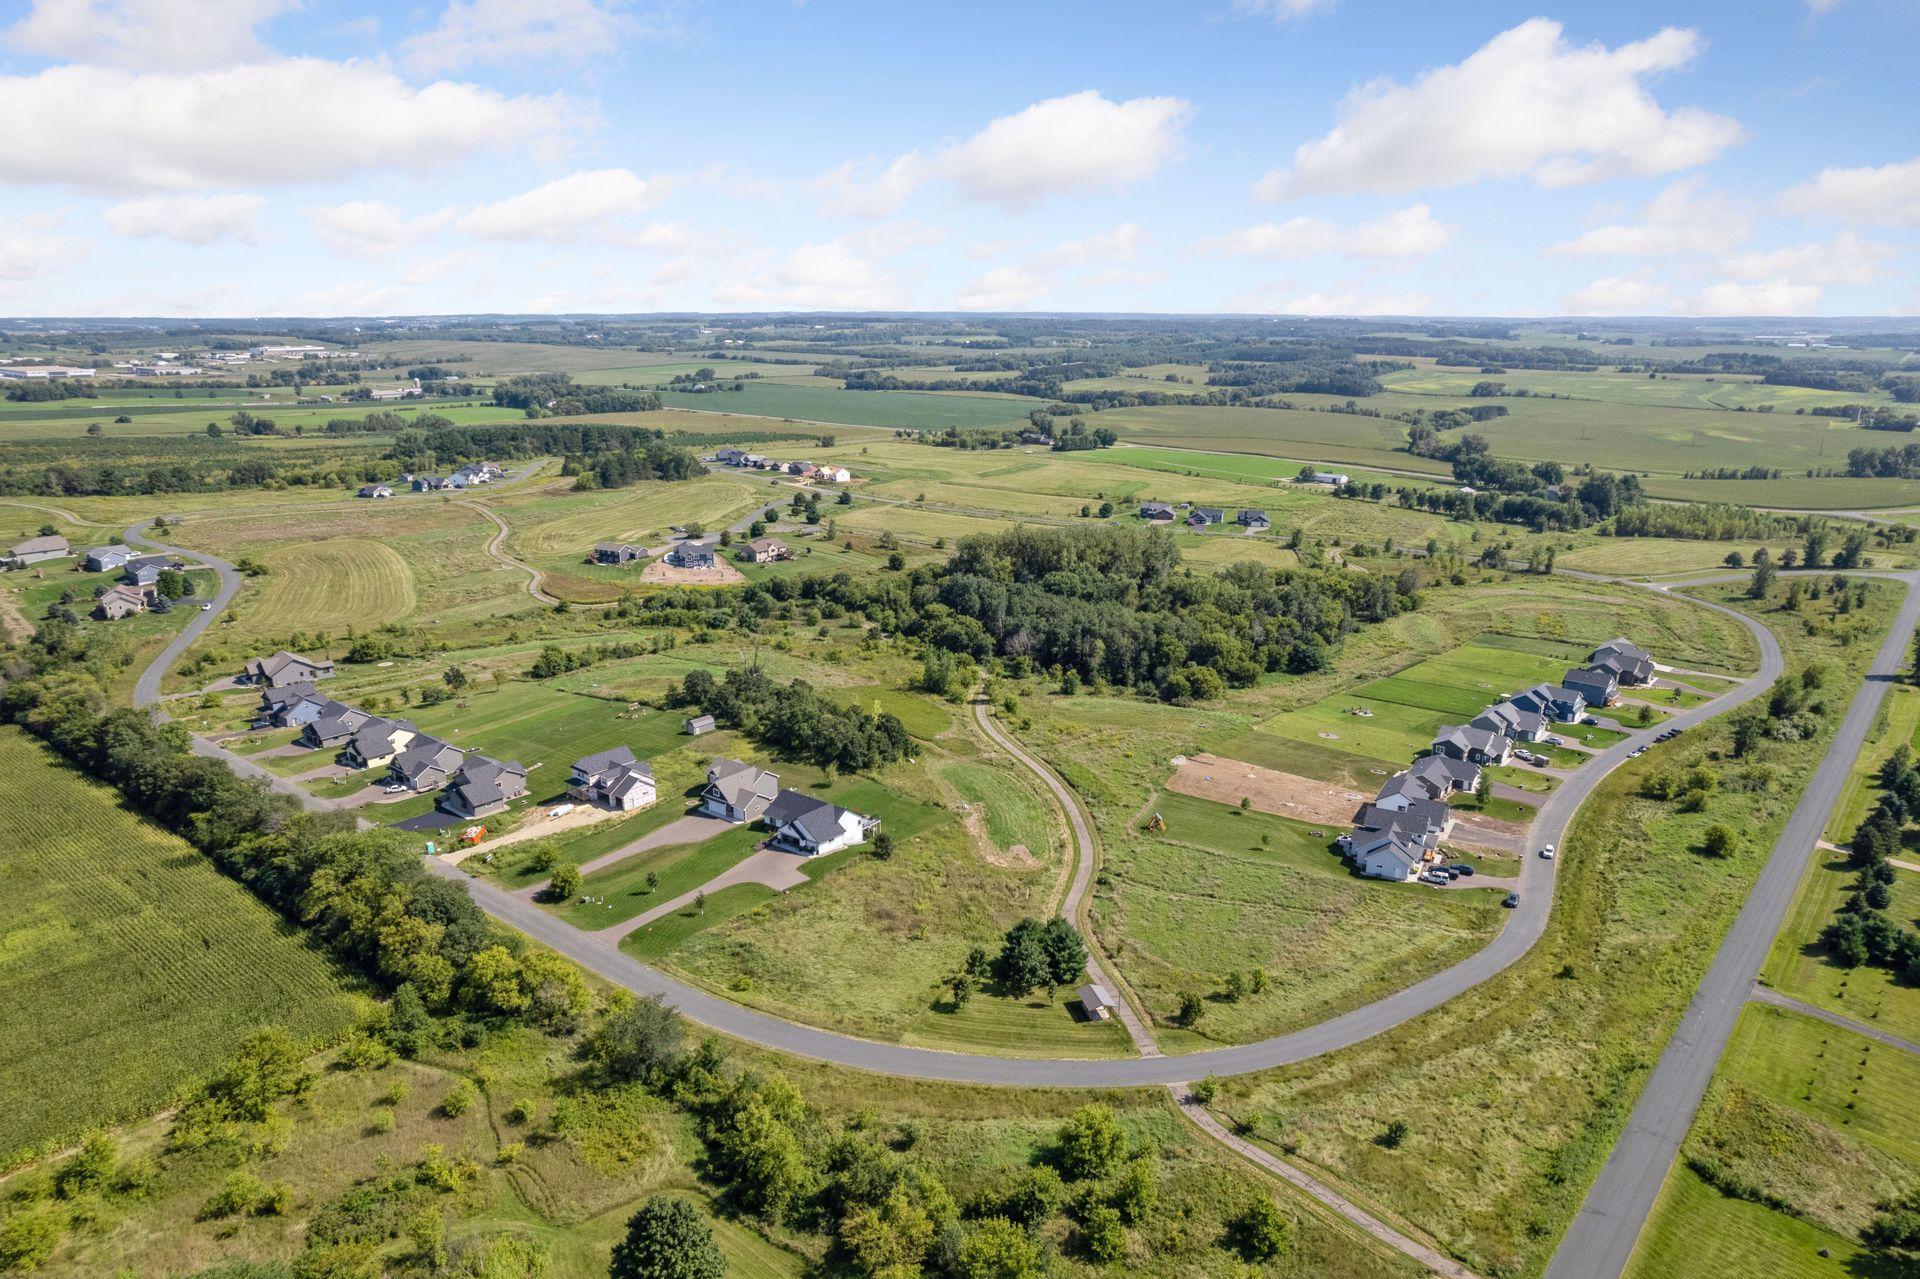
(612, 779)
(812, 827)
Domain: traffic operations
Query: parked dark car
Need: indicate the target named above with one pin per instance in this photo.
(1513, 899)
(1461, 868)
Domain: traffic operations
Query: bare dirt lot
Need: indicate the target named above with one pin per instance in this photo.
(1228, 781)
(664, 574)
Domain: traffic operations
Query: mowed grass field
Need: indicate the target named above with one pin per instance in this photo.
(1815, 1117)
(319, 586)
(1393, 718)
(128, 964)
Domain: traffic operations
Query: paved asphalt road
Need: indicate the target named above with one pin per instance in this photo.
(1523, 928)
(146, 691)
(1603, 1235)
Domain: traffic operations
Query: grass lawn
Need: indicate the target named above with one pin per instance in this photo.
(1231, 890)
(128, 964)
(1797, 966)
(620, 891)
(1045, 1024)
(1696, 1230)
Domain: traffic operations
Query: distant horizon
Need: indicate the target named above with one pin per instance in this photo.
(1597, 321)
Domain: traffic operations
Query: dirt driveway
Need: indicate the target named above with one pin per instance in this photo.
(661, 573)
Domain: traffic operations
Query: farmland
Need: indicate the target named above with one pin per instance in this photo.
(128, 964)
(1816, 1120)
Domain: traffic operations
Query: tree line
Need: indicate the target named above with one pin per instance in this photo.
(795, 721)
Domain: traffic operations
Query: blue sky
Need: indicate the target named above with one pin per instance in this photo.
(267, 157)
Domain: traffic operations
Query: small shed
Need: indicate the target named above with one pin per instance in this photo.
(1096, 1001)
(697, 725)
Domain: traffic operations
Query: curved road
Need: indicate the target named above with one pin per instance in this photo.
(1524, 926)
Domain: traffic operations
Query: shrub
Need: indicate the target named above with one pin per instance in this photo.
(1260, 1231)
(997, 1249)
(1394, 1134)
(1101, 1235)
(458, 1101)
(236, 1195)
(1091, 1143)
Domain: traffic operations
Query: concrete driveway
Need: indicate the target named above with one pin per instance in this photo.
(691, 829)
(777, 870)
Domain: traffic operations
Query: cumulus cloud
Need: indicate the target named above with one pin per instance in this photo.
(482, 32)
(1014, 287)
(565, 209)
(1635, 294)
(1761, 297)
(1887, 196)
(29, 248)
(1845, 259)
(1078, 142)
(1412, 232)
(1282, 10)
(1526, 104)
(189, 219)
(833, 276)
(373, 228)
(1005, 288)
(1335, 301)
(285, 120)
(173, 34)
(1683, 218)
(868, 189)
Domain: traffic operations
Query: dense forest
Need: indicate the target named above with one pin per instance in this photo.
(558, 395)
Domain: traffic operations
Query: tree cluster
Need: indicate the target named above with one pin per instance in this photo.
(795, 721)
(558, 395)
(1863, 932)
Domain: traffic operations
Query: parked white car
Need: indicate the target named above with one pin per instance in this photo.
(1547, 852)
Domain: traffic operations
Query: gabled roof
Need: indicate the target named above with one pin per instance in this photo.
(425, 755)
(103, 552)
(270, 667)
(1419, 817)
(1469, 738)
(376, 737)
(1250, 513)
(735, 783)
(1505, 717)
(1621, 648)
(285, 695)
(1592, 675)
(1443, 771)
(1398, 848)
(1212, 514)
(589, 765)
(813, 817)
(1157, 508)
(40, 545)
(759, 544)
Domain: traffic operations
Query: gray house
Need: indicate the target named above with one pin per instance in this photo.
(1203, 516)
(1156, 511)
(1597, 686)
(484, 786)
(1626, 661)
(145, 570)
(284, 668)
(693, 555)
(278, 704)
(334, 725)
(1553, 701)
(1443, 775)
(1480, 745)
(1253, 518)
(737, 791)
(1505, 717)
(36, 549)
(107, 559)
(425, 764)
(612, 779)
(617, 553)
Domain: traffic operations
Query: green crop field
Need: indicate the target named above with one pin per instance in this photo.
(128, 964)
(917, 410)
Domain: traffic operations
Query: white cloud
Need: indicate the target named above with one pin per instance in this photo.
(1005, 288)
(1528, 103)
(1845, 259)
(1412, 232)
(477, 32)
(867, 189)
(561, 211)
(189, 219)
(29, 248)
(373, 228)
(1067, 144)
(1683, 218)
(352, 297)
(1102, 246)
(1345, 302)
(1763, 297)
(288, 120)
(169, 34)
(1014, 287)
(1887, 196)
(1282, 10)
(1636, 294)
(832, 276)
